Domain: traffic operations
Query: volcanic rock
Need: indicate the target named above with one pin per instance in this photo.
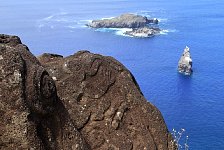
(143, 32)
(32, 115)
(185, 62)
(123, 21)
(106, 103)
(141, 26)
(83, 101)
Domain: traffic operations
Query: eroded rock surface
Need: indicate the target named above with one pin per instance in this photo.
(83, 101)
(32, 115)
(106, 103)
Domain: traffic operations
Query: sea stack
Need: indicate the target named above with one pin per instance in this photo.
(185, 62)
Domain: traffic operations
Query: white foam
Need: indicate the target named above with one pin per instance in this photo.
(61, 20)
(146, 11)
(87, 20)
(76, 25)
(72, 27)
(117, 31)
(104, 29)
(121, 31)
(54, 16)
(166, 31)
(48, 18)
(162, 19)
(40, 25)
(107, 18)
(63, 13)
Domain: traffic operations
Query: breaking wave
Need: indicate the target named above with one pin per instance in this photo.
(121, 31)
(61, 20)
(166, 31)
(116, 31)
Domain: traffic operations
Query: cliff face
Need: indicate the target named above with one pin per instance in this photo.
(32, 115)
(84, 101)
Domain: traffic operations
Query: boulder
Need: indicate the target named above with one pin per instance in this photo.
(185, 62)
(83, 101)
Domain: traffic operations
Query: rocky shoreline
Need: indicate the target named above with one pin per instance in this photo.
(143, 32)
(141, 26)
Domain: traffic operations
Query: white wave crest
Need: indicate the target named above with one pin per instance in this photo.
(48, 18)
(107, 18)
(61, 20)
(162, 19)
(86, 21)
(116, 31)
(166, 31)
(121, 31)
(72, 27)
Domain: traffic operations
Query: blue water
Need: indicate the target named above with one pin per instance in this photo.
(194, 103)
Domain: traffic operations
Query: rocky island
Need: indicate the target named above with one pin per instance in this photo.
(84, 101)
(185, 62)
(141, 26)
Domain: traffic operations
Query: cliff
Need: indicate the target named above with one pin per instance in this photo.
(83, 101)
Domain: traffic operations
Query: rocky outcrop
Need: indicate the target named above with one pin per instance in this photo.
(83, 101)
(185, 62)
(139, 24)
(32, 115)
(143, 32)
(123, 21)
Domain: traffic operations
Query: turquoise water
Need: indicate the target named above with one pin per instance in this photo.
(194, 103)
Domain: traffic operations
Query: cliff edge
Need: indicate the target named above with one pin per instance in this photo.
(84, 101)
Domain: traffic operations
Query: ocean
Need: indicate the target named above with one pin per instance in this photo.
(195, 103)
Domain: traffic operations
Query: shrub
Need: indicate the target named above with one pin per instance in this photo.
(177, 142)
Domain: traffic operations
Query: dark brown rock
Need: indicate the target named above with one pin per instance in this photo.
(84, 101)
(106, 103)
(32, 115)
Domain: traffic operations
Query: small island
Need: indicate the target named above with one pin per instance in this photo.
(140, 26)
(185, 62)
